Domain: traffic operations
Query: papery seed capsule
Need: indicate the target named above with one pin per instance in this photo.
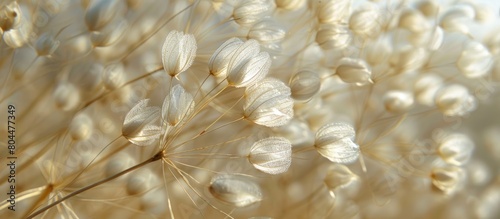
(378, 52)
(365, 23)
(335, 142)
(251, 11)
(339, 176)
(248, 66)
(141, 181)
(141, 125)
(456, 149)
(290, 4)
(108, 35)
(10, 16)
(220, 59)
(455, 100)
(413, 21)
(408, 59)
(475, 60)
(271, 155)
(426, 87)
(267, 31)
(334, 11)
(398, 101)
(334, 37)
(66, 96)
(100, 13)
(235, 190)
(177, 105)
(16, 38)
(80, 129)
(268, 103)
(178, 52)
(354, 71)
(304, 85)
(46, 44)
(447, 179)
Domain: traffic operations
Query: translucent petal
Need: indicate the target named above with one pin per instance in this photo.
(335, 37)
(220, 59)
(304, 85)
(267, 31)
(177, 105)
(248, 66)
(141, 125)
(335, 142)
(339, 176)
(271, 155)
(456, 149)
(235, 190)
(178, 52)
(251, 11)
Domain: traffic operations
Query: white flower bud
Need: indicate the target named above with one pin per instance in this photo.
(413, 21)
(235, 190)
(220, 59)
(109, 35)
(268, 103)
(334, 37)
(339, 176)
(177, 105)
(141, 125)
(398, 101)
(178, 52)
(66, 96)
(271, 155)
(455, 100)
(81, 127)
(267, 31)
(100, 13)
(335, 142)
(354, 71)
(365, 23)
(251, 11)
(290, 4)
(475, 60)
(334, 11)
(248, 66)
(447, 179)
(304, 85)
(46, 44)
(456, 149)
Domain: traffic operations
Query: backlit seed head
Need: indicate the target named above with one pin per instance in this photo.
(339, 176)
(290, 4)
(304, 85)
(109, 35)
(455, 100)
(251, 11)
(408, 58)
(46, 44)
(10, 16)
(354, 71)
(141, 181)
(334, 11)
(235, 190)
(398, 101)
(456, 149)
(178, 52)
(365, 23)
(220, 59)
(268, 103)
(141, 124)
(178, 105)
(475, 60)
(271, 155)
(267, 31)
(66, 96)
(100, 13)
(333, 37)
(426, 87)
(447, 179)
(81, 127)
(335, 141)
(413, 21)
(113, 76)
(247, 65)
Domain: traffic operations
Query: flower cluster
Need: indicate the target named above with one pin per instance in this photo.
(251, 108)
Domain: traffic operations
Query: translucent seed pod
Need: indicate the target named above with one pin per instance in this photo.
(413, 21)
(66, 96)
(426, 87)
(334, 37)
(249, 12)
(87, 76)
(447, 179)
(109, 35)
(81, 127)
(268, 103)
(220, 59)
(113, 76)
(475, 60)
(271, 155)
(235, 190)
(334, 141)
(16, 38)
(267, 31)
(178, 52)
(354, 71)
(141, 124)
(177, 105)
(398, 101)
(340, 177)
(141, 181)
(408, 58)
(100, 13)
(290, 4)
(456, 149)
(248, 66)
(455, 100)
(378, 52)
(456, 18)
(304, 85)
(10, 16)
(46, 45)
(429, 8)
(334, 11)
(365, 23)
